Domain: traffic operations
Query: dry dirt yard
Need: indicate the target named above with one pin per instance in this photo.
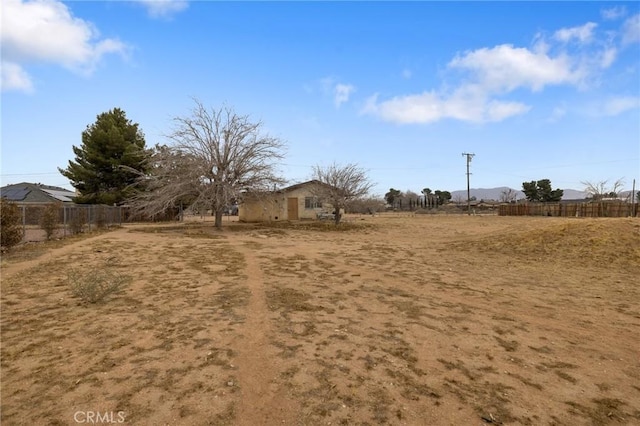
(425, 320)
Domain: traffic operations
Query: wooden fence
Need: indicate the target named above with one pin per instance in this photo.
(593, 209)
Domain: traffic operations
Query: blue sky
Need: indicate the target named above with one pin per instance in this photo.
(534, 90)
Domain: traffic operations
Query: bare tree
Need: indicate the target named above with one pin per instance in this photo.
(602, 189)
(339, 185)
(508, 196)
(459, 199)
(215, 156)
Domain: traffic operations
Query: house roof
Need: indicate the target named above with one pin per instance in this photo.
(301, 185)
(36, 193)
(309, 183)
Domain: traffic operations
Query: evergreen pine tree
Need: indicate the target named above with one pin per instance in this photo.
(97, 173)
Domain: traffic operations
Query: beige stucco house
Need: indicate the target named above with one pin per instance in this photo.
(295, 202)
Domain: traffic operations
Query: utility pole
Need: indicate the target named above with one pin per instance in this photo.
(634, 199)
(469, 157)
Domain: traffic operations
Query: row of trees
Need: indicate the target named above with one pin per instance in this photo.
(214, 158)
(410, 200)
(534, 191)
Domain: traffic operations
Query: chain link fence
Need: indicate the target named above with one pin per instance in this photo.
(76, 219)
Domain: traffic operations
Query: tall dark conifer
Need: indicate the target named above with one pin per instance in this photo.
(541, 191)
(103, 170)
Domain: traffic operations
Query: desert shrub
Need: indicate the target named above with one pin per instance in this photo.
(369, 205)
(96, 284)
(50, 219)
(10, 224)
(78, 220)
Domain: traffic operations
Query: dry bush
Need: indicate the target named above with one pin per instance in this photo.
(50, 219)
(96, 284)
(10, 224)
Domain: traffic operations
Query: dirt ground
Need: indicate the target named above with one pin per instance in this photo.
(424, 320)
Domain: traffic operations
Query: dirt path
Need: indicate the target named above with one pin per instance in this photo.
(262, 397)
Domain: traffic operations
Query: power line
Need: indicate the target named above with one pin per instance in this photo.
(30, 174)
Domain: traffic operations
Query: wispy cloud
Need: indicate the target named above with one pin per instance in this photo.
(14, 78)
(557, 113)
(47, 32)
(608, 56)
(583, 33)
(407, 73)
(340, 92)
(614, 13)
(164, 8)
(631, 30)
(619, 105)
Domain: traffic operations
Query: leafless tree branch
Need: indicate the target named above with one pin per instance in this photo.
(339, 185)
(601, 189)
(214, 157)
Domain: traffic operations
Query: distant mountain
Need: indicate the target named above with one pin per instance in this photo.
(496, 193)
(572, 194)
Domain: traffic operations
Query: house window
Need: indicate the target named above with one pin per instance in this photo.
(312, 203)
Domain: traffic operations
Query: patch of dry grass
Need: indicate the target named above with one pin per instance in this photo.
(320, 226)
(589, 242)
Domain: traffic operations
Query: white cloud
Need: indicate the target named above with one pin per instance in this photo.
(430, 107)
(46, 31)
(498, 110)
(505, 68)
(616, 106)
(164, 8)
(342, 93)
(423, 108)
(573, 56)
(14, 78)
(607, 56)
(492, 72)
(583, 34)
(631, 30)
(614, 13)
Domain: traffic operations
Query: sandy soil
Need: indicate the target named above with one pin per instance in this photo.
(425, 320)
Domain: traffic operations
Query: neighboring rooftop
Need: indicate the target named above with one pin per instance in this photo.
(36, 193)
